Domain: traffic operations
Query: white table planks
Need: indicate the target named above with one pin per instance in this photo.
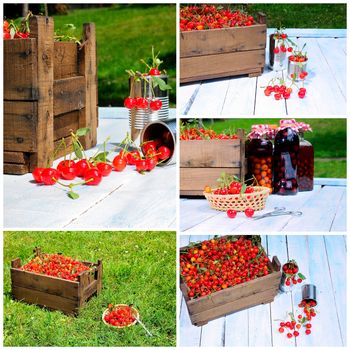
(322, 259)
(123, 200)
(324, 210)
(326, 84)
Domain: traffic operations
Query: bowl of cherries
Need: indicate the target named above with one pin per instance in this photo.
(120, 316)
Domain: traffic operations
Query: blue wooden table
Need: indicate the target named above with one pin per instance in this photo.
(322, 259)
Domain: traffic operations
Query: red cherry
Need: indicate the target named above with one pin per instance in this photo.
(119, 163)
(37, 172)
(231, 213)
(165, 152)
(281, 329)
(92, 177)
(50, 176)
(290, 49)
(68, 173)
(104, 168)
(141, 102)
(276, 50)
(249, 212)
(155, 105)
(81, 166)
(154, 71)
(130, 102)
(151, 163)
(141, 165)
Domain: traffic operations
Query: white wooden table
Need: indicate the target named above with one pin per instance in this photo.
(324, 209)
(322, 259)
(125, 200)
(326, 84)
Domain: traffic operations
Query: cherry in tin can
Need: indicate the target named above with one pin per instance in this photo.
(285, 162)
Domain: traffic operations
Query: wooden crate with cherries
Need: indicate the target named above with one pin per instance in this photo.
(261, 290)
(56, 293)
(50, 88)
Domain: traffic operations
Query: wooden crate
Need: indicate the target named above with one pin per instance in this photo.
(202, 162)
(227, 301)
(218, 53)
(56, 293)
(50, 88)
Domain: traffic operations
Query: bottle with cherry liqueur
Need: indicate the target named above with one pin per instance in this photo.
(285, 160)
(305, 172)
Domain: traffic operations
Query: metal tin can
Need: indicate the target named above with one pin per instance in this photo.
(276, 61)
(309, 293)
(164, 130)
(139, 118)
(296, 68)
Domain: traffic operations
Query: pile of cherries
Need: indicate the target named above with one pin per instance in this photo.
(207, 16)
(293, 326)
(56, 265)
(119, 315)
(283, 92)
(197, 133)
(12, 31)
(221, 263)
(291, 273)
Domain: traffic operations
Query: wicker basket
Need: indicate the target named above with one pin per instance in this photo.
(133, 311)
(239, 202)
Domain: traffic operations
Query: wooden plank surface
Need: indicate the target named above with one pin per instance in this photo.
(65, 59)
(20, 126)
(318, 258)
(69, 95)
(20, 70)
(15, 157)
(326, 81)
(115, 203)
(322, 208)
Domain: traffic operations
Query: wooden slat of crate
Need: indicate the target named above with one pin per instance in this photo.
(193, 180)
(62, 151)
(215, 41)
(42, 283)
(20, 74)
(15, 157)
(16, 169)
(66, 122)
(65, 60)
(87, 62)
(210, 153)
(238, 292)
(222, 65)
(20, 123)
(69, 94)
(264, 297)
(51, 301)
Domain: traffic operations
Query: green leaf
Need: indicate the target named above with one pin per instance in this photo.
(77, 150)
(161, 83)
(100, 157)
(243, 188)
(82, 132)
(300, 275)
(12, 32)
(73, 195)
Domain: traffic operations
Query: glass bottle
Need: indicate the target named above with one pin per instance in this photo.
(285, 161)
(259, 157)
(305, 170)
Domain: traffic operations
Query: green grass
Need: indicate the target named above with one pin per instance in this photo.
(328, 138)
(125, 34)
(303, 15)
(138, 268)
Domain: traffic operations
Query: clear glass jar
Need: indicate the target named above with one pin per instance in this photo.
(259, 157)
(305, 170)
(285, 161)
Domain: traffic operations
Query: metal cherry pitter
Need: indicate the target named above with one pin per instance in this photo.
(278, 211)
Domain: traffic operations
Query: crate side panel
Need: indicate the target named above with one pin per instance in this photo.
(234, 306)
(69, 94)
(221, 65)
(209, 42)
(46, 284)
(195, 179)
(20, 126)
(210, 153)
(65, 123)
(20, 69)
(16, 157)
(65, 60)
(16, 169)
(51, 301)
(238, 292)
